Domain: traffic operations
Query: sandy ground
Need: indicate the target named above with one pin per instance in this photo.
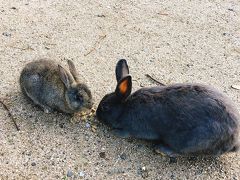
(174, 41)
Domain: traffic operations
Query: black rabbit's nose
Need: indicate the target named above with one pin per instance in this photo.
(97, 113)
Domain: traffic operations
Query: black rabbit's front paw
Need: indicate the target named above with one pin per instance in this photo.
(47, 109)
(120, 133)
(165, 150)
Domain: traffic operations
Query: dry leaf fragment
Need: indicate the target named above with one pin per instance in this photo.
(93, 110)
(83, 113)
(94, 126)
(93, 130)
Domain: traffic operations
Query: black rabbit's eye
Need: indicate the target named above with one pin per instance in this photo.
(105, 107)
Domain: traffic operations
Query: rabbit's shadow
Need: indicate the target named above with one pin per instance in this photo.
(29, 115)
(144, 152)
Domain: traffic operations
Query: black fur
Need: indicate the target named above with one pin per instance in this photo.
(186, 119)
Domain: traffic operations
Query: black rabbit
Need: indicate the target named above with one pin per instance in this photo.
(52, 87)
(184, 119)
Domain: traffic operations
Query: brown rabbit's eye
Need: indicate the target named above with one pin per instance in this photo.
(78, 97)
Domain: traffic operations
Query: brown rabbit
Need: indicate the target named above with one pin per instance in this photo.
(51, 87)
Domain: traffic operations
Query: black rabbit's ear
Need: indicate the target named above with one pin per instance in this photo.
(121, 69)
(73, 70)
(124, 87)
(64, 76)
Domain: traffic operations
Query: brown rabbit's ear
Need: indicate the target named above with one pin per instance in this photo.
(121, 69)
(64, 76)
(73, 70)
(124, 87)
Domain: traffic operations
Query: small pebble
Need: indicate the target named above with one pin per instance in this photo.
(88, 125)
(192, 158)
(172, 160)
(28, 153)
(86, 137)
(81, 174)
(130, 140)
(94, 128)
(199, 171)
(6, 34)
(93, 110)
(143, 172)
(102, 155)
(69, 173)
(123, 156)
(234, 177)
(33, 164)
(116, 171)
(236, 86)
(189, 65)
(105, 131)
(101, 15)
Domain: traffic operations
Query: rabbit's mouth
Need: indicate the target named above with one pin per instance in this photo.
(86, 106)
(89, 105)
(83, 107)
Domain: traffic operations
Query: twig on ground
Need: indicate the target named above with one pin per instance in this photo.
(163, 14)
(96, 43)
(21, 48)
(10, 114)
(153, 79)
(237, 50)
(139, 83)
